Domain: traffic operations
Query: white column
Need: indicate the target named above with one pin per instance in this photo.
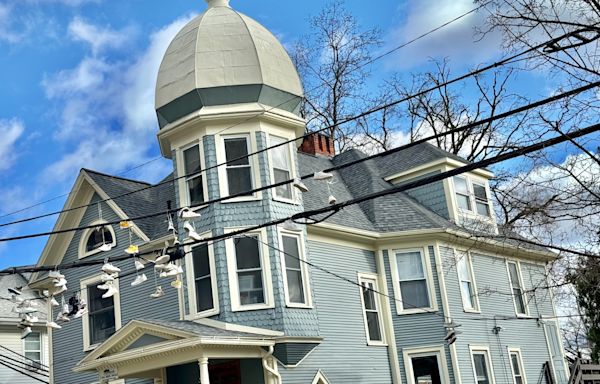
(203, 363)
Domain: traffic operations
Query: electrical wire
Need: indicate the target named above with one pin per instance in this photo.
(10, 366)
(379, 108)
(387, 53)
(332, 209)
(354, 162)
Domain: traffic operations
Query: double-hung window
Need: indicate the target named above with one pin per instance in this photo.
(32, 350)
(481, 366)
(517, 288)
(239, 165)
(371, 307)
(282, 166)
(412, 280)
(104, 315)
(296, 279)
(482, 204)
(249, 270)
(461, 188)
(193, 177)
(464, 189)
(204, 284)
(466, 280)
(516, 365)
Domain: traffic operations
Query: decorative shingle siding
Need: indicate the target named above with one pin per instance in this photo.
(135, 301)
(431, 196)
(496, 302)
(343, 356)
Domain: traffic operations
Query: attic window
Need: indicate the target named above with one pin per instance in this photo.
(92, 239)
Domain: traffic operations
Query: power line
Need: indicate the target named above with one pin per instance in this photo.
(10, 366)
(356, 117)
(270, 109)
(381, 154)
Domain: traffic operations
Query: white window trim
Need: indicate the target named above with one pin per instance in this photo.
(252, 161)
(93, 281)
(320, 378)
(293, 173)
(82, 254)
(470, 179)
(41, 351)
(469, 260)
(371, 277)
(304, 267)
(521, 365)
(523, 295)
(184, 194)
(266, 272)
(474, 349)
(189, 267)
(437, 350)
(428, 278)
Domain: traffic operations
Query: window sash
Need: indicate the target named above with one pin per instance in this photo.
(203, 282)
(481, 364)
(32, 347)
(238, 172)
(97, 309)
(251, 284)
(296, 287)
(371, 309)
(94, 240)
(517, 369)
(412, 275)
(466, 281)
(517, 290)
(282, 166)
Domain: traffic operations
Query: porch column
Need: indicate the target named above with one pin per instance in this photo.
(203, 363)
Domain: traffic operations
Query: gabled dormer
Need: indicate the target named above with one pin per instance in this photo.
(464, 199)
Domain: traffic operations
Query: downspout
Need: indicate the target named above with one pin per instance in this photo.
(266, 366)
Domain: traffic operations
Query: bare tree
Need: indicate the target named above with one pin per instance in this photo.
(333, 62)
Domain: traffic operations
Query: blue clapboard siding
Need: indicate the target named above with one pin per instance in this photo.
(493, 285)
(343, 356)
(135, 302)
(419, 329)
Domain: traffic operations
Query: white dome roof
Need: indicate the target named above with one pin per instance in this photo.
(224, 57)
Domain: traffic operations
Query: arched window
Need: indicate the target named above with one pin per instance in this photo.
(98, 237)
(92, 239)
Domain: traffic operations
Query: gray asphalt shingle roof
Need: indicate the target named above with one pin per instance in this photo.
(202, 330)
(6, 306)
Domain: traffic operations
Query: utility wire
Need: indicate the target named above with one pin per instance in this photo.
(45, 367)
(10, 366)
(379, 108)
(333, 209)
(350, 163)
(44, 371)
(285, 102)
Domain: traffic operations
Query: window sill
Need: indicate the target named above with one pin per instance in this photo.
(240, 199)
(90, 348)
(474, 311)
(202, 315)
(417, 311)
(286, 201)
(252, 307)
(299, 306)
(376, 344)
(524, 316)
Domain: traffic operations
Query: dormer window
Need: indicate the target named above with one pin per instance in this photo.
(192, 167)
(239, 168)
(471, 196)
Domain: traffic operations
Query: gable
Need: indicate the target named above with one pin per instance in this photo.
(145, 340)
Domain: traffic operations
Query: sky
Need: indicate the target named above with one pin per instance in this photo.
(78, 81)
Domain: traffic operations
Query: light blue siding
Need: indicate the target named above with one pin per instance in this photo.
(343, 356)
(431, 196)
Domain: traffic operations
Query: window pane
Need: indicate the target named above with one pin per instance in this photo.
(483, 208)
(102, 326)
(463, 202)
(480, 368)
(426, 370)
(514, 358)
(292, 254)
(414, 294)
(239, 180)
(295, 287)
(373, 325)
(235, 148)
(410, 265)
(204, 297)
(251, 287)
(95, 300)
(247, 253)
(191, 160)
(35, 356)
(519, 380)
(460, 184)
(514, 275)
(519, 303)
(284, 191)
(368, 296)
(462, 266)
(95, 240)
(196, 191)
(467, 294)
(201, 261)
(280, 155)
(480, 192)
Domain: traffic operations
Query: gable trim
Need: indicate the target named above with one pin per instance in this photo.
(320, 378)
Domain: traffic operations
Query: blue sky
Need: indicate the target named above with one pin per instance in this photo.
(78, 80)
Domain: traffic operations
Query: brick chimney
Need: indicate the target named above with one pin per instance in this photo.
(318, 144)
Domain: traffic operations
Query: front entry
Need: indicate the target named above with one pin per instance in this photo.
(225, 372)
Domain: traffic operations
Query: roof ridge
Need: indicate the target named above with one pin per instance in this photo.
(115, 177)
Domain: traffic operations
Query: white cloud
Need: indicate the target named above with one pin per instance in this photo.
(7, 33)
(99, 38)
(107, 115)
(10, 131)
(456, 41)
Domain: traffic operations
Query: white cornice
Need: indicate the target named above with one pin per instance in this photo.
(432, 166)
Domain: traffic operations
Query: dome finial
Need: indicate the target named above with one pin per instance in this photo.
(217, 3)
